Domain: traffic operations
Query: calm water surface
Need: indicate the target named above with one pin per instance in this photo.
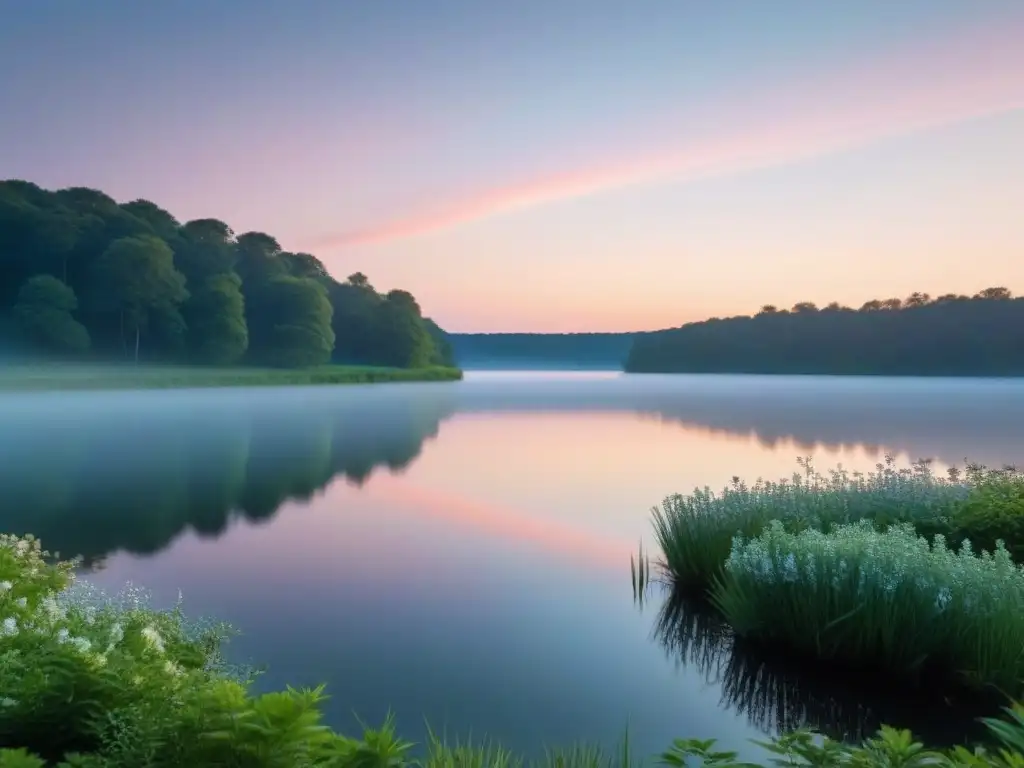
(460, 552)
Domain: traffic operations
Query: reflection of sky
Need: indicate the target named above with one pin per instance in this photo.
(486, 585)
(397, 602)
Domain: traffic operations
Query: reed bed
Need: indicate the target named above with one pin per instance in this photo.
(887, 599)
(695, 532)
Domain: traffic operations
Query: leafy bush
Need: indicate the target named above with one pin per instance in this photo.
(91, 681)
(886, 599)
(695, 532)
(993, 510)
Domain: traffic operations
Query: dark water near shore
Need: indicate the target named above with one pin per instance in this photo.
(460, 552)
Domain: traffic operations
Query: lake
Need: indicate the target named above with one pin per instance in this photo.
(460, 552)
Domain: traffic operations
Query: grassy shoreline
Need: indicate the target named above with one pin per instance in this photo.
(97, 681)
(46, 378)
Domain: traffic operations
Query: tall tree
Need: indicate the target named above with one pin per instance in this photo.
(402, 338)
(290, 323)
(216, 320)
(207, 247)
(135, 277)
(44, 314)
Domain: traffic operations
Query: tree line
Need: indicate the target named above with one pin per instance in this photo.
(952, 335)
(85, 277)
(541, 350)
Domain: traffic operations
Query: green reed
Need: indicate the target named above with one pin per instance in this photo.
(695, 532)
(886, 599)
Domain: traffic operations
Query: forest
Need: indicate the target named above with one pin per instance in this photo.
(85, 278)
(951, 335)
(541, 351)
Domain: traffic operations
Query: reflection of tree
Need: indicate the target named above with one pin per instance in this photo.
(778, 693)
(91, 478)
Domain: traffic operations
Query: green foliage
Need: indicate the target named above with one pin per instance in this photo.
(135, 278)
(402, 338)
(885, 599)
(62, 377)
(218, 334)
(290, 323)
(91, 682)
(993, 512)
(696, 532)
(194, 291)
(44, 313)
(948, 336)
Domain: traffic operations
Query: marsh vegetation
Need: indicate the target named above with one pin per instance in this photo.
(896, 571)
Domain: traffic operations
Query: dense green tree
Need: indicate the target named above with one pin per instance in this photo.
(44, 314)
(135, 278)
(259, 258)
(304, 265)
(193, 292)
(290, 323)
(206, 247)
(948, 336)
(402, 338)
(215, 314)
(354, 320)
(443, 353)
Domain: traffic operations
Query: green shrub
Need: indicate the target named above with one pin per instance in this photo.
(695, 532)
(993, 511)
(884, 599)
(91, 681)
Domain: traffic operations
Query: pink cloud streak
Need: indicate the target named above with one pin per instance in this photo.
(972, 74)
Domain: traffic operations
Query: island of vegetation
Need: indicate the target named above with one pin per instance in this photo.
(952, 335)
(93, 681)
(86, 280)
(914, 577)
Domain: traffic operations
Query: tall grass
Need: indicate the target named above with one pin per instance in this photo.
(695, 532)
(70, 377)
(91, 682)
(887, 599)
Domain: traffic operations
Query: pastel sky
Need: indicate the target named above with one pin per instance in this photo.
(551, 165)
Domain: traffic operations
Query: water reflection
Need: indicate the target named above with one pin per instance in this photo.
(132, 472)
(779, 693)
(944, 419)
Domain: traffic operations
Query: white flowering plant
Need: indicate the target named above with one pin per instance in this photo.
(695, 531)
(70, 656)
(90, 681)
(888, 599)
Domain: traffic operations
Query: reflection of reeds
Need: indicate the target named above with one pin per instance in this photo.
(777, 694)
(640, 570)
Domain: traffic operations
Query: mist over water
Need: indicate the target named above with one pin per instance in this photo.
(460, 552)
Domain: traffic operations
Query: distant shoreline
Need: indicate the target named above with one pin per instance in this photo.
(63, 377)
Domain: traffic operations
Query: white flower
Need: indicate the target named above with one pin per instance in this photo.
(22, 602)
(10, 627)
(63, 635)
(153, 639)
(8, 702)
(81, 644)
(5, 586)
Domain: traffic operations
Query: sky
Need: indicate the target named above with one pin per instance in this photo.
(579, 165)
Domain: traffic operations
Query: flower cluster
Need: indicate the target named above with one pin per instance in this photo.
(46, 612)
(890, 596)
(695, 531)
